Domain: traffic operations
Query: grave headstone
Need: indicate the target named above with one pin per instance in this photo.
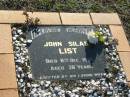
(63, 52)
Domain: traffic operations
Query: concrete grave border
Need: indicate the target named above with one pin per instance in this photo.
(8, 83)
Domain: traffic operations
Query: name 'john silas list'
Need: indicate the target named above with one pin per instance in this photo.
(66, 50)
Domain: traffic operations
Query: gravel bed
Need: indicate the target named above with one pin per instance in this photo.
(112, 84)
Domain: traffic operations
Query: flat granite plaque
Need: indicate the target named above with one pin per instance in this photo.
(63, 53)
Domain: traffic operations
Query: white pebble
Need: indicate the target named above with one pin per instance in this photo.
(19, 69)
(29, 75)
(29, 41)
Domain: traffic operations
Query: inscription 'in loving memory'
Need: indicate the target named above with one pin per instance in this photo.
(81, 30)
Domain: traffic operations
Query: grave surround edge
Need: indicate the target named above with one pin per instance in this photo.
(11, 16)
(9, 93)
(7, 71)
(119, 34)
(17, 17)
(5, 39)
(125, 58)
(105, 18)
(75, 18)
